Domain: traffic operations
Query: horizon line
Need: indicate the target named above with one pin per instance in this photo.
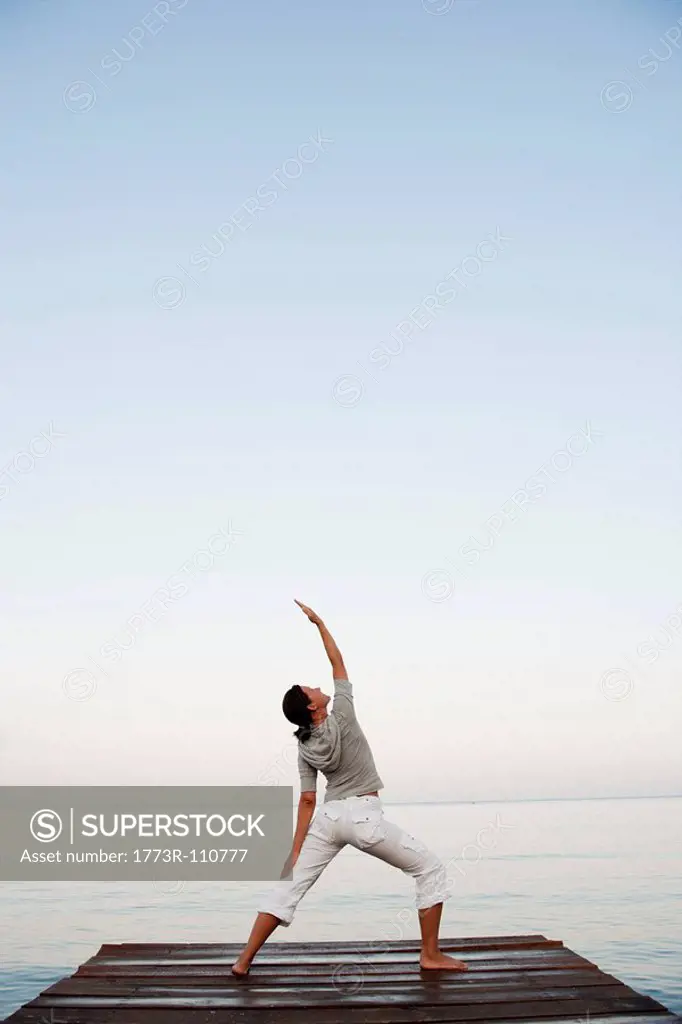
(533, 799)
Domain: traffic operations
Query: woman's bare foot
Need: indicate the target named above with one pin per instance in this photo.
(441, 962)
(240, 969)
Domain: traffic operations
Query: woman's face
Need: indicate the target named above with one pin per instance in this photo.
(316, 697)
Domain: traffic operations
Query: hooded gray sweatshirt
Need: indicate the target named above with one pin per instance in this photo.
(339, 749)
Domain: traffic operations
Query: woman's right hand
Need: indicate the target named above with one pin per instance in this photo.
(313, 616)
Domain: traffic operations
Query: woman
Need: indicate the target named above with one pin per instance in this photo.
(352, 813)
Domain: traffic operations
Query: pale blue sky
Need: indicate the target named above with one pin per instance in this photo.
(445, 129)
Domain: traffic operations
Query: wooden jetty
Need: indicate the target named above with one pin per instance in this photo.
(510, 978)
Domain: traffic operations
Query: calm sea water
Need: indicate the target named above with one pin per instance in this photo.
(604, 876)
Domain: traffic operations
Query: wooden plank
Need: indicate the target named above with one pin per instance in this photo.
(268, 968)
(227, 948)
(610, 998)
(343, 970)
(519, 1014)
(502, 1010)
(478, 985)
(68, 1015)
(337, 1015)
(390, 974)
(560, 955)
(300, 950)
(264, 969)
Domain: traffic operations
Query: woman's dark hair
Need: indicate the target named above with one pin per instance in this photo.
(295, 708)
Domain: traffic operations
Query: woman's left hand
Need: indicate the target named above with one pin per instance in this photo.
(289, 863)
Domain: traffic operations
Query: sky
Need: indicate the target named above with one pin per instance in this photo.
(371, 304)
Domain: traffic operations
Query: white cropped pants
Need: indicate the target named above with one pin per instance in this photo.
(358, 821)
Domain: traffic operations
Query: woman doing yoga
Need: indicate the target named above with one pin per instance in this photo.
(334, 744)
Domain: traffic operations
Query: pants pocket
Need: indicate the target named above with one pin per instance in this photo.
(324, 822)
(410, 842)
(368, 825)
